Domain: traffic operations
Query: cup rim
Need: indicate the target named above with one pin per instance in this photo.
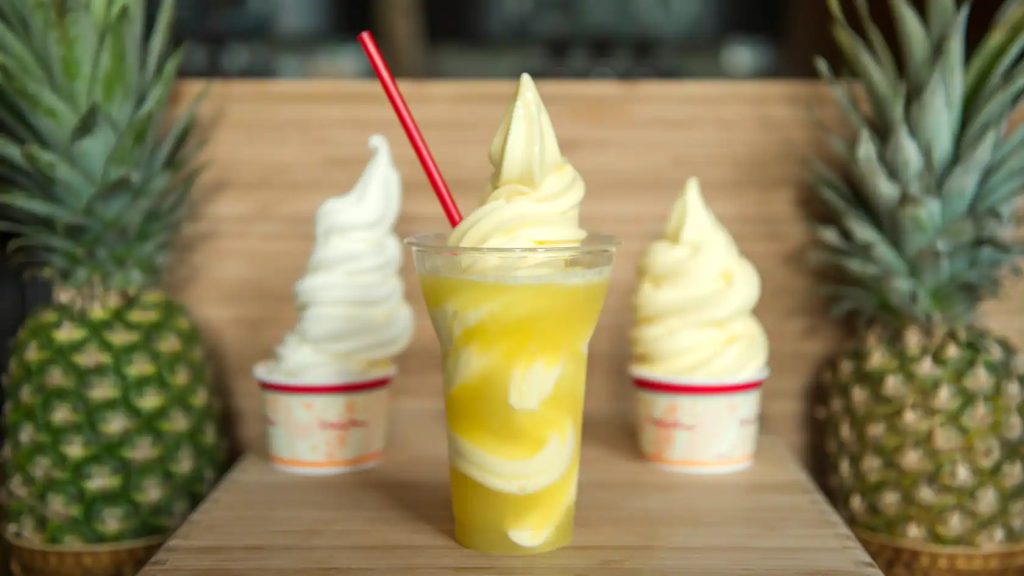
(438, 242)
(264, 375)
(758, 378)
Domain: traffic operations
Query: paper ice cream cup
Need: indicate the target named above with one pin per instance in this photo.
(698, 427)
(321, 427)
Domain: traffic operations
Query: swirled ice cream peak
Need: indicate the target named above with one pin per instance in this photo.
(353, 316)
(695, 300)
(534, 194)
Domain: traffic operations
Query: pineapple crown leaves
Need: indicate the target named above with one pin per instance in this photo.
(918, 225)
(95, 175)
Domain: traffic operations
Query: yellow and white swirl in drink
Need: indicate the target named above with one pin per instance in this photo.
(515, 361)
(514, 294)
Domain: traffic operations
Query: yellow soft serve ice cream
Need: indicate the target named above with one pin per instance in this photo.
(695, 301)
(514, 328)
(535, 194)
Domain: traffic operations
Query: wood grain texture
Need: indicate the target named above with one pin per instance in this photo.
(395, 519)
(279, 149)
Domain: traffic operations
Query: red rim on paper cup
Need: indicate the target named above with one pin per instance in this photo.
(698, 426)
(322, 426)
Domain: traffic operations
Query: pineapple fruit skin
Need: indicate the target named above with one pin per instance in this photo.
(111, 423)
(924, 436)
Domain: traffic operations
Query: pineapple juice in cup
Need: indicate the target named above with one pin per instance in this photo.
(514, 294)
(514, 326)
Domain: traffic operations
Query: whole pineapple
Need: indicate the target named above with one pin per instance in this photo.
(110, 420)
(924, 418)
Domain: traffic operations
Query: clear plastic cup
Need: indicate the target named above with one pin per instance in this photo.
(698, 427)
(514, 326)
(323, 427)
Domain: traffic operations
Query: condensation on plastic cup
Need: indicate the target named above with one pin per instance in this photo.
(698, 427)
(324, 427)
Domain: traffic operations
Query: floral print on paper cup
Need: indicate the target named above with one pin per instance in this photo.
(318, 429)
(698, 427)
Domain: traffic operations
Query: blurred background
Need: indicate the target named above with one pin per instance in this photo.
(501, 38)
(625, 39)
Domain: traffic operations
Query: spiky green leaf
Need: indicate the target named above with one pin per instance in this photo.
(181, 131)
(10, 154)
(79, 46)
(850, 300)
(90, 153)
(930, 121)
(920, 220)
(874, 244)
(915, 45)
(75, 184)
(1000, 190)
(882, 88)
(111, 70)
(38, 209)
(842, 95)
(951, 64)
(18, 57)
(940, 15)
(997, 42)
(833, 190)
(45, 239)
(878, 187)
(831, 237)
(876, 40)
(160, 91)
(1003, 182)
(959, 189)
(85, 125)
(904, 159)
(157, 48)
(853, 265)
(49, 114)
(997, 108)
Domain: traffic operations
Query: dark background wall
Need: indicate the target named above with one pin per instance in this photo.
(11, 307)
(501, 38)
(17, 297)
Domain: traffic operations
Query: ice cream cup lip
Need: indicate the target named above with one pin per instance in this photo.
(263, 374)
(438, 242)
(672, 381)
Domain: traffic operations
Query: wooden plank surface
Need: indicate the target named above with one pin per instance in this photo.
(632, 519)
(279, 148)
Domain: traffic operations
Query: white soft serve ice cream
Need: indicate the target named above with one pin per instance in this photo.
(535, 194)
(353, 316)
(694, 305)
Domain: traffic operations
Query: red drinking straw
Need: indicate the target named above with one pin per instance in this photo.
(419, 145)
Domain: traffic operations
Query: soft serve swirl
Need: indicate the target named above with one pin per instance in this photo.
(694, 305)
(535, 194)
(353, 316)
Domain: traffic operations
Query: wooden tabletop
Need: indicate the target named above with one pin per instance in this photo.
(632, 518)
